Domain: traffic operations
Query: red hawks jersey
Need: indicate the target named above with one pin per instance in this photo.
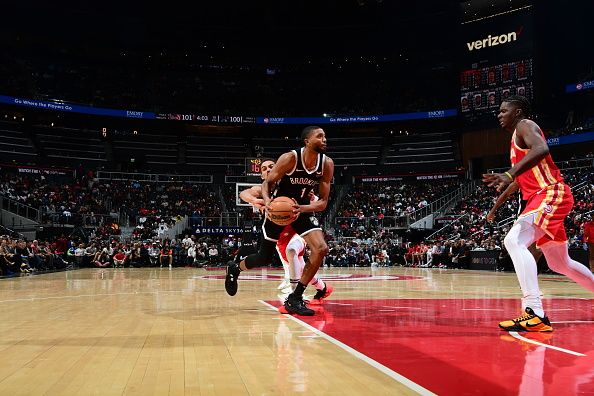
(541, 175)
(289, 236)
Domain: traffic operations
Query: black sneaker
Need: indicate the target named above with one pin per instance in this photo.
(321, 295)
(231, 278)
(296, 305)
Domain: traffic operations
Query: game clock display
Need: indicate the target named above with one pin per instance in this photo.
(253, 166)
(207, 119)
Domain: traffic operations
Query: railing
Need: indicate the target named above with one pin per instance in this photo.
(341, 191)
(11, 233)
(19, 208)
(226, 219)
(505, 222)
(442, 202)
(404, 220)
(77, 219)
(155, 178)
(177, 229)
(237, 179)
(430, 237)
(344, 240)
(373, 221)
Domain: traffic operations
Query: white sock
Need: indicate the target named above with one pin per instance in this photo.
(317, 283)
(287, 270)
(519, 238)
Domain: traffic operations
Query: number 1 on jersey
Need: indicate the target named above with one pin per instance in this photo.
(303, 192)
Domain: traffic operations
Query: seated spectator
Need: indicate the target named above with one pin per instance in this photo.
(90, 253)
(22, 257)
(166, 256)
(213, 255)
(119, 259)
(7, 261)
(79, 255)
(102, 259)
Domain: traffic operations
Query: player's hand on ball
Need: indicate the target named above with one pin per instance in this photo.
(283, 210)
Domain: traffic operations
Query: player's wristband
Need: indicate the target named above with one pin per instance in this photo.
(509, 175)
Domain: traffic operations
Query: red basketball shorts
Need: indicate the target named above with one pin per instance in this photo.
(551, 205)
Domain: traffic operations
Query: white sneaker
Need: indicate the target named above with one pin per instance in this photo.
(287, 290)
(284, 284)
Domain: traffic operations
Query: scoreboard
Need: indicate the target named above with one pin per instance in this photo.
(207, 119)
(253, 166)
(484, 88)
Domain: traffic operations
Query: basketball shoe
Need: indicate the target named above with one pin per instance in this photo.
(296, 305)
(529, 321)
(231, 278)
(321, 295)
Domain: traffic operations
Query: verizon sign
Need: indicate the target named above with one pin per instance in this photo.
(492, 41)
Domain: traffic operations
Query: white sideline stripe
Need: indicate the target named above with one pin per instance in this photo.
(335, 303)
(519, 337)
(389, 372)
(388, 306)
(575, 321)
(482, 309)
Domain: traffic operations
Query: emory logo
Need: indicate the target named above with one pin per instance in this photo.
(134, 114)
(436, 114)
(491, 41)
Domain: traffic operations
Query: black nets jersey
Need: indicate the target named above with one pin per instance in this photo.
(300, 182)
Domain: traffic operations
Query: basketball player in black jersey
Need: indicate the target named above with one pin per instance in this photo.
(295, 175)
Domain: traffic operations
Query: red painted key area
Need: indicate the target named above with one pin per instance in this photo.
(454, 347)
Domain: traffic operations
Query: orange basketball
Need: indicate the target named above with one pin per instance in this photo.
(281, 211)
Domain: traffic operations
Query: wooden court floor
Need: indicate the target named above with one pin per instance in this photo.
(384, 331)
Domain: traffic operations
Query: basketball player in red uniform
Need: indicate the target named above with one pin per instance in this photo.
(253, 196)
(291, 249)
(589, 240)
(549, 200)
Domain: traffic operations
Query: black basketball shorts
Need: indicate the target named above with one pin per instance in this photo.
(305, 223)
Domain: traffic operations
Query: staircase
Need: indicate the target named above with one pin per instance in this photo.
(341, 191)
(423, 218)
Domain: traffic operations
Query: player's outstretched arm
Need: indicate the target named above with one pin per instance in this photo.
(512, 188)
(284, 165)
(253, 196)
